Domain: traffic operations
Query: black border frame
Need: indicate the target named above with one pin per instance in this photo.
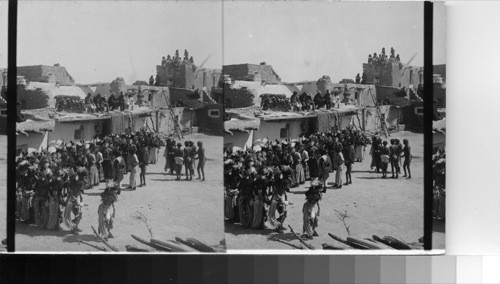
(11, 132)
(11, 124)
(428, 113)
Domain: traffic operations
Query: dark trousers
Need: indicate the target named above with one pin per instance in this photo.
(142, 175)
(348, 167)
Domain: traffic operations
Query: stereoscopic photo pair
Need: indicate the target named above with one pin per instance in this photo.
(225, 126)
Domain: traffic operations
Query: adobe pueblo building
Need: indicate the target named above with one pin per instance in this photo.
(183, 73)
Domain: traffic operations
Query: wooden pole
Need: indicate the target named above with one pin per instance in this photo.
(345, 242)
(94, 246)
(148, 243)
(287, 243)
(301, 240)
(363, 115)
(104, 241)
(157, 121)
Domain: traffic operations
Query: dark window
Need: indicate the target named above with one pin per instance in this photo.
(213, 113)
(285, 131)
(228, 147)
(79, 133)
(419, 111)
(20, 148)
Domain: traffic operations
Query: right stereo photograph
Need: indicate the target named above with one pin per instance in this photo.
(324, 126)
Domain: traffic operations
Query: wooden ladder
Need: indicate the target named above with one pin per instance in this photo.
(382, 121)
(177, 126)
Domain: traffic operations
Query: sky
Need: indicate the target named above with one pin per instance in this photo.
(306, 40)
(98, 41)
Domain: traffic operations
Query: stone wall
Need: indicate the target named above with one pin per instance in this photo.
(238, 98)
(43, 73)
(412, 76)
(207, 78)
(393, 73)
(323, 84)
(188, 76)
(34, 99)
(383, 73)
(118, 85)
(207, 119)
(252, 72)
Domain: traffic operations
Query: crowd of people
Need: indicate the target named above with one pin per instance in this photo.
(99, 103)
(306, 101)
(382, 57)
(50, 183)
(384, 154)
(176, 157)
(257, 180)
(326, 100)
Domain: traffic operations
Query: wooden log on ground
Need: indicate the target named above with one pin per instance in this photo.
(287, 243)
(132, 248)
(380, 244)
(94, 246)
(195, 244)
(331, 247)
(172, 245)
(104, 241)
(143, 241)
(345, 242)
(400, 244)
(301, 240)
(392, 242)
(200, 245)
(365, 243)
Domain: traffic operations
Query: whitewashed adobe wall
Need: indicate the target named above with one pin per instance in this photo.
(66, 131)
(271, 129)
(239, 139)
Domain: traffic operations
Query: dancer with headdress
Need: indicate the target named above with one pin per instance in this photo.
(311, 210)
(106, 211)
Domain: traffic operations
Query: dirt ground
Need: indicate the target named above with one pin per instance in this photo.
(374, 206)
(3, 189)
(186, 209)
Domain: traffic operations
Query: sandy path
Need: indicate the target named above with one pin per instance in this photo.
(173, 208)
(375, 206)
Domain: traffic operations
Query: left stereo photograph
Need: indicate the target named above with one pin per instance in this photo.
(119, 127)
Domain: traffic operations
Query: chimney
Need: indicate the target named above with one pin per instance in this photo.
(263, 63)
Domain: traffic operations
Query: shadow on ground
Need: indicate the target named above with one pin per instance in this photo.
(33, 231)
(283, 236)
(237, 229)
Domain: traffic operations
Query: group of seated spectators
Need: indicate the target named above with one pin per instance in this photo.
(98, 103)
(327, 100)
